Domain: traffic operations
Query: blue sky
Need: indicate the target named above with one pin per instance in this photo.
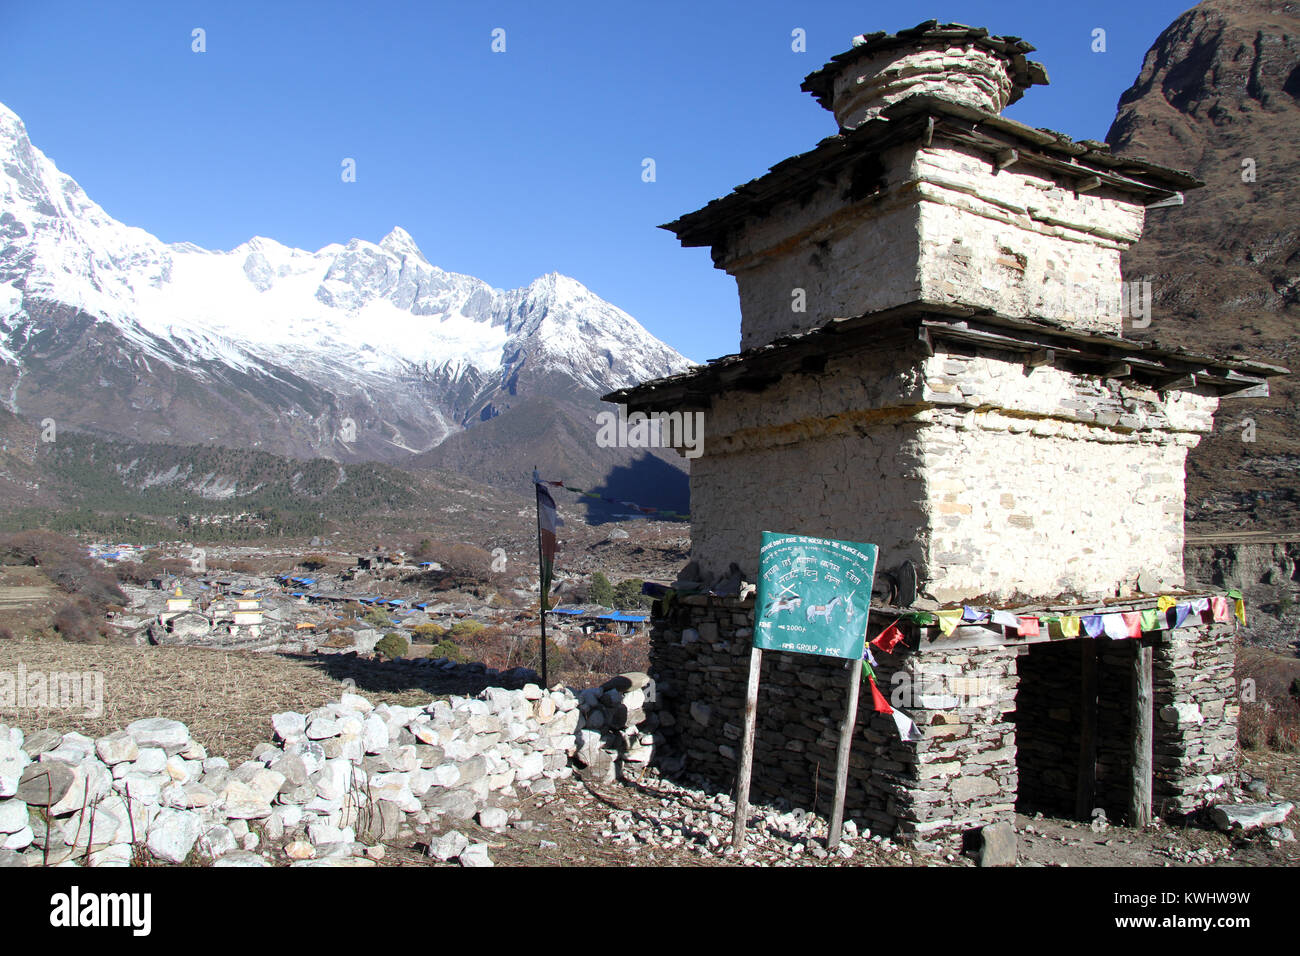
(501, 165)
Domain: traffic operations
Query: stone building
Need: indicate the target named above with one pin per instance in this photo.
(933, 360)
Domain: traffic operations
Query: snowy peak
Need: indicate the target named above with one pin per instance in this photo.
(363, 325)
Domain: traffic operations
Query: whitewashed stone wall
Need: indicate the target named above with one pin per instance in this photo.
(999, 482)
(1048, 482)
(1018, 242)
(948, 229)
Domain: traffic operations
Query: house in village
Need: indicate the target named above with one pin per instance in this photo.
(934, 360)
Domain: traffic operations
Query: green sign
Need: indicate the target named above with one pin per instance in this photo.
(814, 595)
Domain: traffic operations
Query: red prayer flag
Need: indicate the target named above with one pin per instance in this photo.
(889, 638)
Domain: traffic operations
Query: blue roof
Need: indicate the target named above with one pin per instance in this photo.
(396, 602)
(620, 616)
(566, 610)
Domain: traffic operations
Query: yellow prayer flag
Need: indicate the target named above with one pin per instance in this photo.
(948, 620)
(1165, 602)
(1239, 608)
(1070, 625)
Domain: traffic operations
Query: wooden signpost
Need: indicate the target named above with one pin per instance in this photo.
(814, 597)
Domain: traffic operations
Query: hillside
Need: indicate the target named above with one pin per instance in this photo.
(1219, 95)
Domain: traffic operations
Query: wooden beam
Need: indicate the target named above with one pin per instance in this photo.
(1088, 184)
(1086, 790)
(1040, 357)
(1143, 729)
(1182, 381)
(1005, 158)
(1118, 370)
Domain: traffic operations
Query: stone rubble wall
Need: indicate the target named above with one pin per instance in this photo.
(337, 781)
(961, 776)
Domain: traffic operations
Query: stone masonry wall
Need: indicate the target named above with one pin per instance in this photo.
(1000, 723)
(1197, 706)
(961, 776)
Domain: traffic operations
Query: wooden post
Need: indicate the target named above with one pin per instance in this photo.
(1143, 719)
(842, 754)
(747, 749)
(1086, 792)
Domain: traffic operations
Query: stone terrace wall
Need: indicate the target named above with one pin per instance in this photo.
(961, 776)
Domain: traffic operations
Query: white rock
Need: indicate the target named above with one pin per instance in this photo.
(448, 845)
(218, 841)
(170, 735)
(446, 775)
(239, 801)
(174, 833)
(332, 780)
(142, 787)
(322, 728)
(12, 761)
(476, 855)
(149, 760)
(356, 702)
(13, 816)
(493, 818)
(374, 734)
(289, 725)
(322, 834)
(18, 840)
(119, 854)
(1181, 714)
(117, 748)
(241, 858)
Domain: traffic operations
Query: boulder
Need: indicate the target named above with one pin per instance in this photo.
(173, 833)
(448, 846)
(170, 735)
(1249, 816)
(997, 845)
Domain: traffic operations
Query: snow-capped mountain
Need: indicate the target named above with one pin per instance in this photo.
(361, 350)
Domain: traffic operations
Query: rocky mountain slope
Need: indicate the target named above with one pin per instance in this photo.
(354, 352)
(1219, 95)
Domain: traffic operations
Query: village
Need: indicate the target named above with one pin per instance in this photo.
(348, 610)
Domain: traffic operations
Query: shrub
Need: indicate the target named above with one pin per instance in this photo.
(465, 628)
(377, 617)
(448, 649)
(73, 625)
(392, 646)
(6, 634)
(600, 591)
(428, 633)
